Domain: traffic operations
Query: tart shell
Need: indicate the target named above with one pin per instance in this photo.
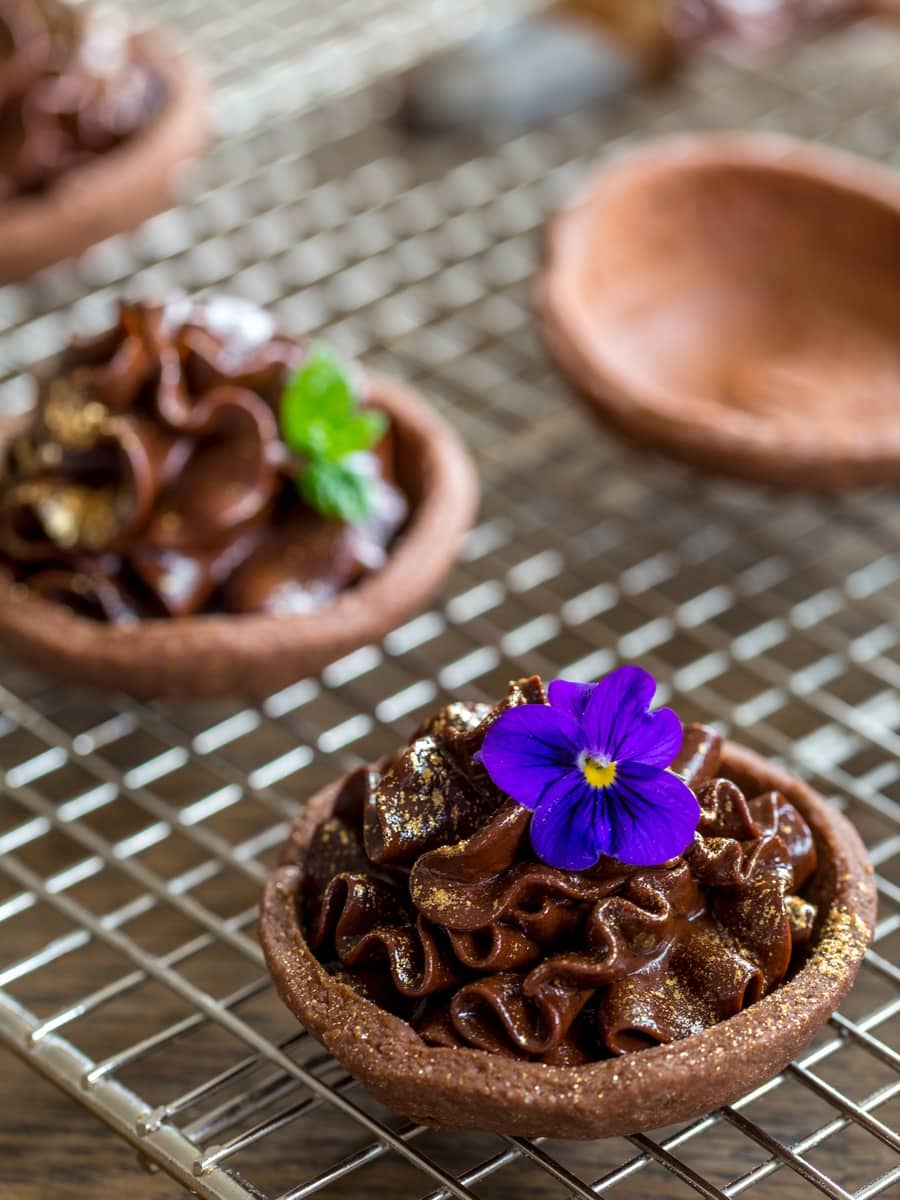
(117, 190)
(472, 1089)
(732, 300)
(257, 654)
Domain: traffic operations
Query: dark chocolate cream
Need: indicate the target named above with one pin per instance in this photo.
(423, 893)
(152, 481)
(72, 87)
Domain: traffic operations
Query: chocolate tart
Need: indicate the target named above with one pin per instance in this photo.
(417, 1013)
(733, 301)
(75, 195)
(151, 536)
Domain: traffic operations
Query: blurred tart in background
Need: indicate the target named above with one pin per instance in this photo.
(95, 120)
(200, 504)
(731, 300)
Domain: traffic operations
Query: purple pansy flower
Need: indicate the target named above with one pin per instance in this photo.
(591, 765)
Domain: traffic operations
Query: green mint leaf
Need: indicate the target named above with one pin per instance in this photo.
(323, 423)
(320, 415)
(337, 491)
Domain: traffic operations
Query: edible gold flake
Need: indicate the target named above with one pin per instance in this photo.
(72, 420)
(73, 515)
(170, 522)
(27, 457)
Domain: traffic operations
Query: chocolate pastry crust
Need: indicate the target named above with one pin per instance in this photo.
(549, 1087)
(732, 300)
(176, 521)
(72, 191)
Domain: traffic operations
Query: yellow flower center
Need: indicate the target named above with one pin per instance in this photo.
(597, 771)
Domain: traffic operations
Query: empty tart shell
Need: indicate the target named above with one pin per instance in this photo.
(256, 654)
(733, 300)
(115, 191)
(462, 1088)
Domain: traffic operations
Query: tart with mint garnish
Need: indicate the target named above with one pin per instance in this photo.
(201, 504)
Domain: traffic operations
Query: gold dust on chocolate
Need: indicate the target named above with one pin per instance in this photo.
(439, 911)
(74, 516)
(73, 421)
(424, 800)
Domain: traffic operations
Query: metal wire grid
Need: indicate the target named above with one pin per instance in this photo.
(137, 836)
(272, 57)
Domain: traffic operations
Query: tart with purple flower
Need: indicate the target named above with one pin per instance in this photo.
(95, 121)
(200, 504)
(567, 915)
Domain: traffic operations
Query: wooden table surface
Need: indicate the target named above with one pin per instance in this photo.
(78, 1160)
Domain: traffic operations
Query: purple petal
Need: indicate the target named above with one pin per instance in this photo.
(528, 749)
(618, 705)
(654, 739)
(571, 827)
(571, 698)
(653, 815)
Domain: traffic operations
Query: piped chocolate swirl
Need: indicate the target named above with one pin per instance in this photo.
(73, 86)
(152, 480)
(423, 893)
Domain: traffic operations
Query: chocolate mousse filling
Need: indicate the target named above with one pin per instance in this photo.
(152, 480)
(422, 892)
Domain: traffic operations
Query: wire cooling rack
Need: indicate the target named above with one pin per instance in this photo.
(136, 836)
